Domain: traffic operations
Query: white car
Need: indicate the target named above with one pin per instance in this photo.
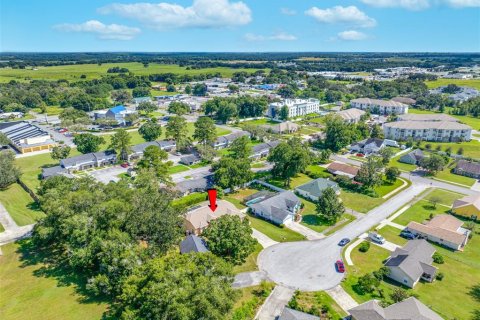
(375, 237)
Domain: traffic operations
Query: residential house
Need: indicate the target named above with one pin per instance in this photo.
(468, 206)
(443, 229)
(413, 157)
(199, 217)
(408, 309)
(139, 149)
(192, 243)
(137, 101)
(225, 141)
(190, 159)
(282, 127)
(296, 107)
(263, 149)
(194, 185)
(53, 171)
(88, 160)
(342, 169)
(11, 115)
(118, 113)
(411, 263)
(313, 189)
(468, 168)
(351, 115)
(379, 106)
(26, 137)
(278, 209)
(371, 145)
(291, 314)
(441, 131)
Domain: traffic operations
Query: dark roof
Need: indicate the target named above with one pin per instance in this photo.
(52, 171)
(291, 314)
(414, 259)
(190, 158)
(259, 148)
(192, 243)
(195, 184)
(466, 166)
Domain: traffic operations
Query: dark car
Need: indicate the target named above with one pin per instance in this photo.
(340, 266)
(407, 235)
(343, 242)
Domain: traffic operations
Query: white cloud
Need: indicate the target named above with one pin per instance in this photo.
(352, 35)
(103, 31)
(279, 36)
(407, 4)
(463, 3)
(338, 14)
(288, 11)
(201, 14)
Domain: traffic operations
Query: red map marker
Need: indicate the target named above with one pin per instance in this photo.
(212, 197)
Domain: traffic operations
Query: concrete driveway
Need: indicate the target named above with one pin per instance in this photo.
(108, 174)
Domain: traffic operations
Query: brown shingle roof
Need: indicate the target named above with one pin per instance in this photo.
(339, 168)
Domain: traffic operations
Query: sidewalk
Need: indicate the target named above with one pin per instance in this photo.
(275, 303)
(12, 231)
(342, 298)
(263, 239)
(305, 231)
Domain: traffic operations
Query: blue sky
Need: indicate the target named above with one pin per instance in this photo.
(247, 25)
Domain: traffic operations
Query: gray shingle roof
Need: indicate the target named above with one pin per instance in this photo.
(279, 206)
(414, 259)
(192, 243)
(195, 184)
(316, 187)
(52, 171)
(291, 314)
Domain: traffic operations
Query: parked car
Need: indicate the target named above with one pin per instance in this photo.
(375, 237)
(343, 242)
(361, 155)
(124, 165)
(63, 130)
(407, 235)
(340, 266)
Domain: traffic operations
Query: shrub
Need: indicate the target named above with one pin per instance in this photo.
(364, 246)
(438, 258)
(440, 276)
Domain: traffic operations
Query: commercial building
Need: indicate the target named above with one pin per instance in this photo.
(441, 131)
(26, 137)
(379, 106)
(296, 107)
(351, 115)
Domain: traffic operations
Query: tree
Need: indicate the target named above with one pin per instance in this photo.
(205, 131)
(289, 159)
(177, 130)
(370, 173)
(150, 130)
(376, 132)
(392, 173)
(4, 141)
(74, 119)
(329, 207)
(188, 89)
(171, 88)
(178, 108)
(433, 164)
(286, 92)
(87, 142)
(154, 159)
(337, 133)
(146, 107)
(206, 152)
(438, 258)
(386, 154)
(283, 114)
(178, 287)
(399, 294)
(460, 151)
(9, 173)
(121, 96)
(367, 283)
(240, 148)
(232, 173)
(434, 200)
(141, 92)
(60, 152)
(120, 142)
(226, 111)
(230, 238)
(324, 156)
(200, 89)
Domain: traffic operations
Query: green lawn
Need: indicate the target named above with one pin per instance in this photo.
(32, 291)
(470, 148)
(359, 202)
(447, 175)
(258, 122)
(311, 220)
(20, 205)
(1, 228)
(274, 232)
(178, 168)
(319, 171)
(400, 165)
(237, 197)
(94, 71)
(392, 234)
(250, 263)
(249, 301)
(388, 187)
(346, 219)
(474, 83)
(296, 181)
(468, 120)
(315, 301)
(446, 197)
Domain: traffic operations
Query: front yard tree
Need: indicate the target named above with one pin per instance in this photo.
(230, 237)
(370, 173)
(232, 173)
(150, 130)
(154, 159)
(392, 173)
(337, 133)
(283, 114)
(329, 206)
(120, 142)
(87, 142)
(433, 164)
(178, 287)
(368, 283)
(177, 130)
(205, 131)
(178, 108)
(60, 152)
(386, 154)
(9, 173)
(376, 132)
(399, 294)
(289, 159)
(240, 148)
(146, 107)
(206, 152)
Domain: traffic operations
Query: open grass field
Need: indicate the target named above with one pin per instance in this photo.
(474, 83)
(470, 148)
(388, 187)
(274, 232)
(20, 205)
(446, 197)
(95, 71)
(34, 293)
(468, 120)
(450, 297)
(359, 202)
(315, 301)
(178, 168)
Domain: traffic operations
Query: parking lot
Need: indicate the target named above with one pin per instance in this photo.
(108, 174)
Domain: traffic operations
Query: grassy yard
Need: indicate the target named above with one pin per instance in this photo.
(177, 169)
(296, 181)
(250, 263)
(237, 197)
(274, 232)
(474, 83)
(468, 120)
(446, 197)
(249, 301)
(470, 148)
(31, 291)
(311, 220)
(20, 205)
(258, 122)
(392, 234)
(388, 187)
(346, 219)
(447, 175)
(359, 202)
(95, 71)
(400, 165)
(314, 302)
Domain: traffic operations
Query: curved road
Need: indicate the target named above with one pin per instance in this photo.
(309, 265)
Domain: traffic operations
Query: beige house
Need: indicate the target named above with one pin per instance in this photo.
(282, 127)
(351, 115)
(199, 217)
(443, 229)
(468, 206)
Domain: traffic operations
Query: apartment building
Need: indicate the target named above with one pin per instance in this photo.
(441, 131)
(296, 107)
(379, 106)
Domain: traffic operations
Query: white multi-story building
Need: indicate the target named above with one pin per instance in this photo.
(379, 106)
(296, 107)
(442, 131)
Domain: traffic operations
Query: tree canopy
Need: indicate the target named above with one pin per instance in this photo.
(87, 142)
(150, 130)
(177, 130)
(9, 172)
